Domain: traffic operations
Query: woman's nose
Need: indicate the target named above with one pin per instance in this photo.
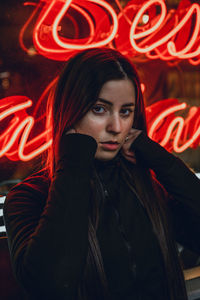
(114, 124)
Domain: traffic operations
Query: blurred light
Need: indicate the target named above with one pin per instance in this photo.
(5, 83)
(4, 75)
(31, 51)
(143, 88)
(145, 18)
(2, 229)
(2, 199)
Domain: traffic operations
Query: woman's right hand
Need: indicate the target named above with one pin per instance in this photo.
(126, 152)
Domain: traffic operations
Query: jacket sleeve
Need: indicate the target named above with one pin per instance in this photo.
(183, 188)
(49, 244)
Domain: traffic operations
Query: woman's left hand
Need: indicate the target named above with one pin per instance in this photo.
(126, 152)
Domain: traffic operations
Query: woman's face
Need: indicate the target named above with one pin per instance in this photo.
(111, 118)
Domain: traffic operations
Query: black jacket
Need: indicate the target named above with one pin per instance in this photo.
(47, 223)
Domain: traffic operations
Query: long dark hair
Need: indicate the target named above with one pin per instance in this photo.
(75, 93)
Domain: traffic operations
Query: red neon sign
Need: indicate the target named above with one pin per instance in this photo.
(137, 30)
(177, 41)
(169, 36)
(14, 140)
(17, 143)
(98, 15)
(174, 132)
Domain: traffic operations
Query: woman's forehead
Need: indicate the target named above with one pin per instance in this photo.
(122, 91)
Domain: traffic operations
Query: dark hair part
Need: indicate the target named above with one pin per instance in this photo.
(76, 92)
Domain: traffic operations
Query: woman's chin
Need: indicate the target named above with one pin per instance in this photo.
(106, 155)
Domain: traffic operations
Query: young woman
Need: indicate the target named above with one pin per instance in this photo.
(102, 220)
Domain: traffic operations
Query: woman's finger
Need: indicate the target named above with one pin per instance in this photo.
(72, 130)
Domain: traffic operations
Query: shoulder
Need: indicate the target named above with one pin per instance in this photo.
(31, 191)
(36, 183)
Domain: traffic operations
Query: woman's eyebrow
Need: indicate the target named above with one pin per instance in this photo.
(110, 103)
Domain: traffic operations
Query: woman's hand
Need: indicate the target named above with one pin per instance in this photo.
(126, 152)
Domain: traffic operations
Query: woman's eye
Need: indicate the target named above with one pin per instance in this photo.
(126, 112)
(98, 109)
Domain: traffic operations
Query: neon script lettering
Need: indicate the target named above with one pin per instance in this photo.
(137, 30)
(171, 131)
(97, 15)
(17, 127)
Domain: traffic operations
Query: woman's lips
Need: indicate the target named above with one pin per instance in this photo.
(111, 146)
